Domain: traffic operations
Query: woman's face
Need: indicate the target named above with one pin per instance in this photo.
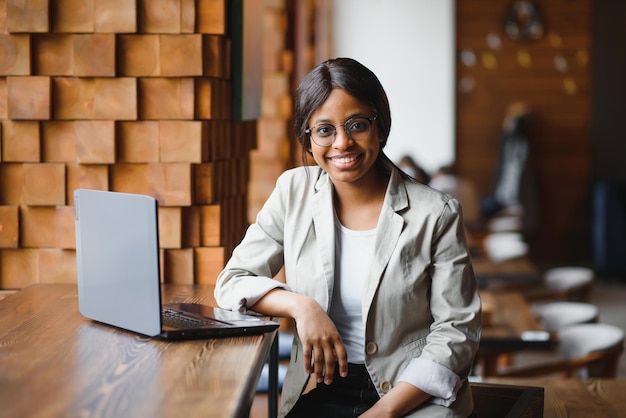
(345, 160)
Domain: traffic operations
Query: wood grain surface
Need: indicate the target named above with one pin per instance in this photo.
(577, 398)
(56, 363)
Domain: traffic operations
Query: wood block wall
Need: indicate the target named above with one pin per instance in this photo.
(122, 95)
(552, 74)
(275, 138)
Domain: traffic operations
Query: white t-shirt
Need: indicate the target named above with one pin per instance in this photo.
(353, 255)
(354, 251)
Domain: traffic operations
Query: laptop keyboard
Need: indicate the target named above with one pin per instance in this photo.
(175, 319)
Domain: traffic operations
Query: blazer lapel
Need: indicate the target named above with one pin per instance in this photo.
(324, 223)
(390, 226)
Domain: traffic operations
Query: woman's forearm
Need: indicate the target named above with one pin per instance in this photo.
(322, 347)
(401, 400)
(283, 303)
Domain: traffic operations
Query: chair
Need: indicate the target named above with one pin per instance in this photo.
(503, 246)
(584, 351)
(558, 315)
(575, 282)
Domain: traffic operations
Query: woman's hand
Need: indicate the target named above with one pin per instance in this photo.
(321, 343)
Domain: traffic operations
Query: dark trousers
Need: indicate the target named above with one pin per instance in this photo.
(347, 397)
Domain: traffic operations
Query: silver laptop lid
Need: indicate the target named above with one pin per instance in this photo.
(117, 254)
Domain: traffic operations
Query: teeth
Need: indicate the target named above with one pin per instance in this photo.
(344, 160)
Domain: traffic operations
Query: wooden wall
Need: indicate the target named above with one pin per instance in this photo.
(552, 75)
(275, 138)
(122, 95)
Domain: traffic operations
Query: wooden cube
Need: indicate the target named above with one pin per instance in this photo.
(191, 226)
(116, 98)
(9, 226)
(38, 226)
(29, 97)
(15, 52)
(94, 55)
(272, 140)
(170, 183)
(27, 15)
(211, 226)
(44, 184)
(20, 141)
(187, 16)
(211, 16)
(170, 227)
(138, 142)
(53, 54)
(130, 178)
(19, 268)
(204, 183)
(139, 55)
(181, 55)
(159, 16)
(71, 16)
(214, 56)
(182, 141)
(80, 176)
(166, 98)
(178, 266)
(95, 98)
(57, 265)
(73, 98)
(58, 142)
(206, 99)
(213, 99)
(95, 141)
(4, 114)
(11, 182)
(64, 221)
(209, 262)
(115, 16)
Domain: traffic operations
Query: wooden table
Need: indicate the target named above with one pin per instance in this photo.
(56, 363)
(517, 271)
(576, 398)
(508, 326)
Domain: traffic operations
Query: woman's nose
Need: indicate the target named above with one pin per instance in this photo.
(342, 139)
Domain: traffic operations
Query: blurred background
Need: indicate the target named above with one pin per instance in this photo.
(514, 107)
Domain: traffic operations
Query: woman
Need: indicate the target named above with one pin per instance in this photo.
(378, 277)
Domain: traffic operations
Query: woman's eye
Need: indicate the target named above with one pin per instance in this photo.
(324, 130)
(358, 126)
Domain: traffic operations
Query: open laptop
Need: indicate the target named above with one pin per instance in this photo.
(117, 255)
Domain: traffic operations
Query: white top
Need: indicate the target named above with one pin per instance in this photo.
(353, 254)
(354, 251)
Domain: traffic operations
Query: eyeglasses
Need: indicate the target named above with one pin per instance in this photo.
(357, 128)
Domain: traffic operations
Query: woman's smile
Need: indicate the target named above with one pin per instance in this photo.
(345, 160)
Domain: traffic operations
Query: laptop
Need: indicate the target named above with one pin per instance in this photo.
(117, 257)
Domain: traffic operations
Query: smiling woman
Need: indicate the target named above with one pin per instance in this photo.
(378, 276)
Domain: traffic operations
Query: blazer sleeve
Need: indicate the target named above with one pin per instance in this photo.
(454, 300)
(249, 273)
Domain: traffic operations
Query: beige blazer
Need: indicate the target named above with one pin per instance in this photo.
(420, 299)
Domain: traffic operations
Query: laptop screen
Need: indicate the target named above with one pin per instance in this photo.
(117, 253)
